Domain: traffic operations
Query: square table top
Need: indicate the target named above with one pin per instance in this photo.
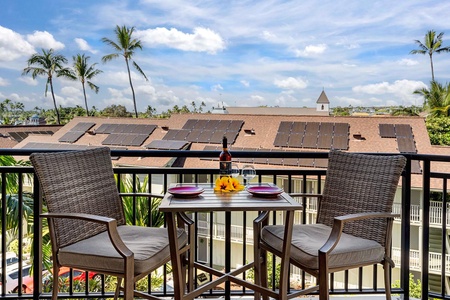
(211, 200)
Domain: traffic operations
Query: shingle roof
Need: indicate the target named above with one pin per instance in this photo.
(258, 132)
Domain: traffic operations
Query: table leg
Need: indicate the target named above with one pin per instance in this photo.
(178, 277)
(227, 253)
(285, 259)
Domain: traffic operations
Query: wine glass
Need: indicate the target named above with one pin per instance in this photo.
(248, 172)
(235, 172)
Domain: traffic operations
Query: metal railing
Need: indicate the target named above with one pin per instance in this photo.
(23, 199)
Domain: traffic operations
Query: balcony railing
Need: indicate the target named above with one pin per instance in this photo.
(422, 262)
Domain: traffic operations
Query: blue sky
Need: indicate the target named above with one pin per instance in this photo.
(241, 53)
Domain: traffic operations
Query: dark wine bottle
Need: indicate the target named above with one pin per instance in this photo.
(225, 159)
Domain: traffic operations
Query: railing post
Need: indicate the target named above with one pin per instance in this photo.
(406, 230)
(37, 240)
(425, 229)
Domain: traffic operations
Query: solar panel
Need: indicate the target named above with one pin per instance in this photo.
(281, 139)
(71, 136)
(306, 162)
(341, 129)
(102, 128)
(312, 128)
(258, 159)
(403, 130)
(223, 125)
(326, 128)
(310, 141)
(193, 136)
(216, 137)
(248, 160)
(387, 130)
(340, 142)
(275, 161)
(212, 124)
(16, 136)
(112, 139)
(290, 161)
(205, 136)
(298, 127)
(231, 136)
(415, 167)
(406, 145)
(83, 126)
(324, 141)
(181, 135)
(295, 140)
(167, 145)
(189, 124)
(235, 125)
(285, 127)
(321, 163)
(200, 124)
(170, 135)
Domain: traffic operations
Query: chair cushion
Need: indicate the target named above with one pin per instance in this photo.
(309, 238)
(150, 246)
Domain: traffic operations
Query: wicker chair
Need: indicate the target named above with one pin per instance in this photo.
(87, 223)
(353, 226)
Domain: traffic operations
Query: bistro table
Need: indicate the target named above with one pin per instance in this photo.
(175, 209)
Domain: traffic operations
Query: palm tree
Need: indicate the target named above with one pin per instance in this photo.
(432, 44)
(437, 98)
(48, 64)
(125, 46)
(84, 73)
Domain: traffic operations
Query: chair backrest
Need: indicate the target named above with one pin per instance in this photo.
(78, 182)
(358, 183)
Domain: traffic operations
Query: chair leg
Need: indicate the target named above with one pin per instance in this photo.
(387, 280)
(117, 292)
(128, 288)
(323, 277)
(55, 288)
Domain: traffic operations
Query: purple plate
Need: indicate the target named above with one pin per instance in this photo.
(264, 191)
(186, 191)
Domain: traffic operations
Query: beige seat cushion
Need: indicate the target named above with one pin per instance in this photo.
(150, 246)
(309, 238)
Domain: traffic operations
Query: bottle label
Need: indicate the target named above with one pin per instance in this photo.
(225, 168)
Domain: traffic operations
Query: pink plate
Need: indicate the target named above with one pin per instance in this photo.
(264, 191)
(186, 191)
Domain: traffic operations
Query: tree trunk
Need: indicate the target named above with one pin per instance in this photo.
(85, 100)
(132, 89)
(432, 69)
(54, 102)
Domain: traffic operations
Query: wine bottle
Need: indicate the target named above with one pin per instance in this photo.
(225, 159)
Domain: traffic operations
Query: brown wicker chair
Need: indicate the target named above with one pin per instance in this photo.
(87, 223)
(353, 226)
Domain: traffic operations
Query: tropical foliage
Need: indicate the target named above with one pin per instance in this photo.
(432, 44)
(84, 73)
(437, 99)
(439, 130)
(125, 45)
(48, 64)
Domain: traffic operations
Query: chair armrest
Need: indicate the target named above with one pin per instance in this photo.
(110, 223)
(305, 195)
(338, 227)
(150, 195)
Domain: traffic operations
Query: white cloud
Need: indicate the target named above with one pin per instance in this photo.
(29, 80)
(311, 50)
(13, 45)
(83, 45)
(71, 91)
(401, 89)
(407, 62)
(43, 39)
(216, 88)
(267, 35)
(291, 83)
(201, 40)
(3, 82)
(245, 83)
